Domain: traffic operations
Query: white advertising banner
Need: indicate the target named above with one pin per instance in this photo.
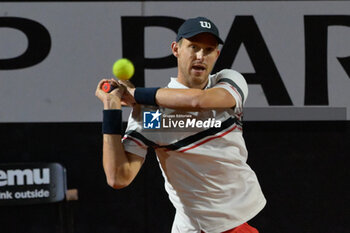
(295, 55)
(32, 183)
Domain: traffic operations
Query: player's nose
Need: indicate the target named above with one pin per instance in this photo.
(200, 55)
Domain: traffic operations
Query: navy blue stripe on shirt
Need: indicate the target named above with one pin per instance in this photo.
(232, 83)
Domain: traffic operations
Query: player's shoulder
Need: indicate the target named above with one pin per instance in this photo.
(228, 75)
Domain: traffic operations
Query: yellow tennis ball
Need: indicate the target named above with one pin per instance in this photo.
(123, 69)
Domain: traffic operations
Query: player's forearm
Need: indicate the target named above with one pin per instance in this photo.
(194, 99)
(115, 162)
(184, 99)
(190, 99)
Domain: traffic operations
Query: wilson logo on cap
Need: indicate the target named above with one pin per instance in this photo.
(195, 26)
(205, 24)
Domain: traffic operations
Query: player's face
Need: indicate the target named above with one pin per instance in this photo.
(196, 58)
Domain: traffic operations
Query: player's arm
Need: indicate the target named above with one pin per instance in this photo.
(120, 167)
(185, 99)
(194, 99)
(230, 91)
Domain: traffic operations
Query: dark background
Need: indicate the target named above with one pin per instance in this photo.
(302, 168)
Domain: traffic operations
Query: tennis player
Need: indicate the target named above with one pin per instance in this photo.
(202, 154)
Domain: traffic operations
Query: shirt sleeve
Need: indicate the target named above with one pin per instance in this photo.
(234, 83)
(134, 146)
(131, 143)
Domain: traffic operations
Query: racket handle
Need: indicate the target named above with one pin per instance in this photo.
(108, 87)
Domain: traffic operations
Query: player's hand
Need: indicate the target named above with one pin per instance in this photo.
(110, 100)
(126, 83)
(128, 95)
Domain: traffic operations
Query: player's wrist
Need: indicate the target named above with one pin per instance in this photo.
(146, 96)
(112, 121)
(131, 90)
(112, 103)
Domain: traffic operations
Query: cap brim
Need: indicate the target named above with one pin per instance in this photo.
(189, 35)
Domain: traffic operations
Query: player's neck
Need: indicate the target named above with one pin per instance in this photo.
(192, 83)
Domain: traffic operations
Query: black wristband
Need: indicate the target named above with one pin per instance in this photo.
(146, 96)
(112, 121)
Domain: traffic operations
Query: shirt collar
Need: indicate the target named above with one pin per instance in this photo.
(175, 84)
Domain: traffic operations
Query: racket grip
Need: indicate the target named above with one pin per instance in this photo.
(108, 87)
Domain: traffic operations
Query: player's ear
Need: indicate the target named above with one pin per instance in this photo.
(217, 53)
(175, 48)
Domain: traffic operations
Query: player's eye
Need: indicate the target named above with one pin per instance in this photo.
(209, 50)
(194, 47)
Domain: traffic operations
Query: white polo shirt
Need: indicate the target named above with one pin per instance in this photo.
(206, 175)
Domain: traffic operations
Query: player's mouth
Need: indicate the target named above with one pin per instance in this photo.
(199, 68)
